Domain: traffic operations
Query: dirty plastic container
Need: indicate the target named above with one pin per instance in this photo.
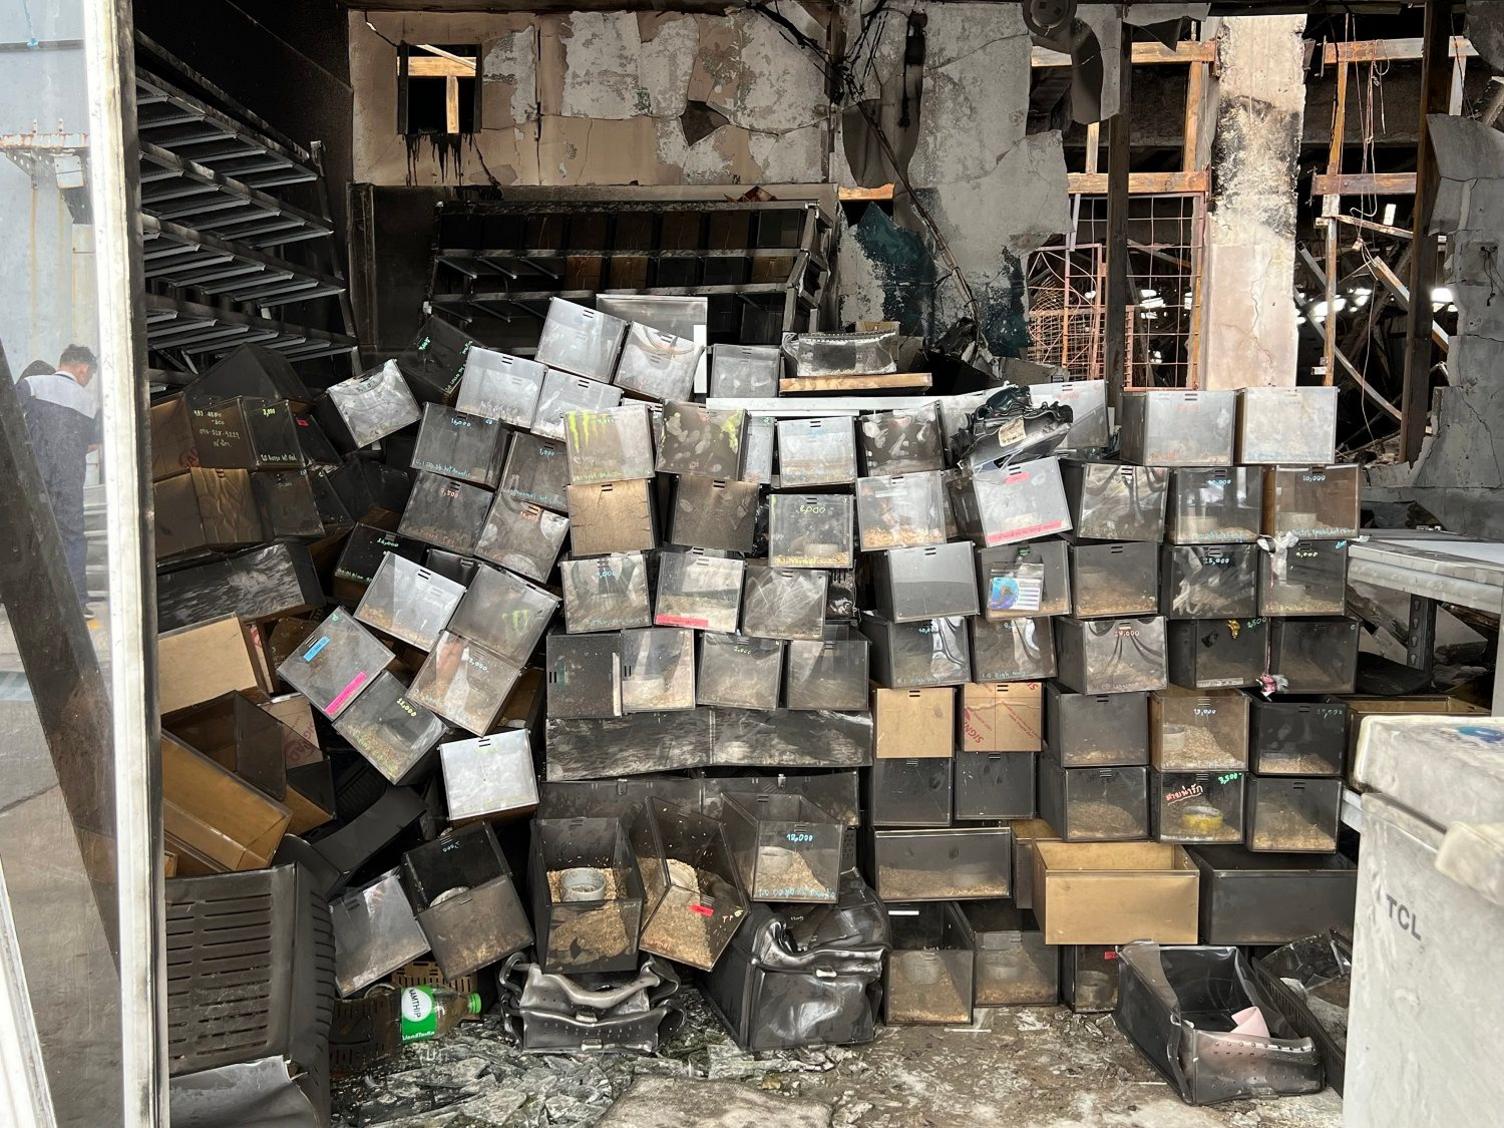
(744, 371)
(1101, 730)
(583, 675)
(1020, 501)
(1307, 578)
(1087, 400)
(1114, 580)
(935, 581)
(464, 682)
(1218, 653)
(784, 603)
(504, 613)
(1317, 502)
(1297, 736)
(810, 531)
(587, 895)
(1114, 501)
(1198, 730)
(466, 901)
(1216, 505)
(489, 776)
(911, 792)
(605, 593)
(1198, 581)
(1012, 650)
(900, 511)
(786, 848)
(613, 445)
(739, 672)
(1288, 426)
(394, 734)
(375, 933)
(1259, 899)
(816, 452)
(1089, 978)
(994, 785)
(1293, 815)
(458, 445)
(372, 405)
(1014, 966)
(931, 968)
(902, 442)
(1026, 580)
(830, 673)
(1094, 804)
(408, 602)
(563, 392)
(1314, 655)
(537, 470)
(657, 670)
(701, 441)
(1200, 807)
(580, 340)
(500, 386)
(1178, 428)
(335, 663)
(658, 365)
(942, 863)
(1110, 655)
(714, 514)
(918, 654)
(699, 590)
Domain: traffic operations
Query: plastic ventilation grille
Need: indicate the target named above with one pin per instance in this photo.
(219, 978)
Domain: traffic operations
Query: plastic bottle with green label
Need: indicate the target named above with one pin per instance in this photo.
(427, 1012)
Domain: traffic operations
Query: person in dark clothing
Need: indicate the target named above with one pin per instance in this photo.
(62, 420)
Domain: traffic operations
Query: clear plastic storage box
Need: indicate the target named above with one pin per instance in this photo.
(504, 613)
(1218, 653)
(1114, 580)
(580, 340)
(757, 449)
(467, 447)
(489, 776)
(716, 514)
(931, 967)
(445, 513)
(394, 734)
(701, 441)
(902, 442)
(536, 470)
(373, 405)
(1018, 502)
(698, 590)
(1087, 400)
(609, 446)
(786, 848)
(1307, 578)
(994, 785)
(739, 672)
(375, 933)
(843, 354)
(1178, 428)
(658, 365)
(1218, 505)
(611, 517)
(408, 602)
(901, 511)
(942, 863)
(810, 531)
(1114, 501)
(1014, 966)
(562, 393)
(1202, 807)
(918, 654)
(464, 683)
(1101, 730)
(925, 583)
(1297, 736)
(911, 792)
(745, 371)
(1094, 804)
(830, 673)
(500, 386)
(523, 537)
(1012, 650)
(1290, 426)
(335, 663)
(692, 896)
(1318, 503)
(1198, 731)
(1202, 581)
(1110, 655)
(467, 903)
(657, 670)
(583, 675)
(587, 895)
(816, 452)
(787, 603)
(1024, 580)
(606, 593)
(1314, 655)
(1089, 978)
(1293, 815)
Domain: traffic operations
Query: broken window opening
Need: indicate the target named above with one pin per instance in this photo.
(438, 93)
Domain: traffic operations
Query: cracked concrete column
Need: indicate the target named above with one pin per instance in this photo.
(1249, 328)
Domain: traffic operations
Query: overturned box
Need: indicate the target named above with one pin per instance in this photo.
(394, 733)
(199, 510)
(504, 613)
(464, 682)
(580, 340)
(614, 445)
(367, 408)
(467, 904)
(375, 933)
(562, 393)
(408, 602)
(335, 664)
(637, 744)
(658, 365)
(445, 513)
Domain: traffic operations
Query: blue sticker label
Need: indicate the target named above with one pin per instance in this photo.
(1003, 594)
(313, 651)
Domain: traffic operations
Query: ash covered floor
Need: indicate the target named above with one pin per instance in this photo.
(1029, 1067)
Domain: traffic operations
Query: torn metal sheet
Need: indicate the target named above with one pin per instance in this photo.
(257, 1094)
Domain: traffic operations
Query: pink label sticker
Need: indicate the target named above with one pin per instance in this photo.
(703, 909)
(682, 621)
(343, 696)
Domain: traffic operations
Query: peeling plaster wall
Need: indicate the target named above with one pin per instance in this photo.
(1462, 467)
(1248, 286)
(596, 97)
(995, 192)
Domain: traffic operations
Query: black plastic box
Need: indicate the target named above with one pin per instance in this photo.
(1110, 655)
(1218, 653)
(583, 674)
(828, 674)
(1114, 580)
(469, 448)
(784, 603)
(1096, 730)
(1208, 581)
(1199, 807)
(942, 863)
(1014, 966)
(536, 470)
(522, 537)
(1292, 814)
(715, 514)
(1089, 978)
(1257, 899)
(932, 582)
(740, 672)
(1314, 655)
(994, 785)
(911, 792)
(1094, 804)
(930, 973)
(919, 654)
(587, 895)
(1012, 650)
(1297, 736)
(465, 900)
(446, 513)
(606, 593)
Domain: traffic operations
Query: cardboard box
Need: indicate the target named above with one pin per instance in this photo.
(202, 662)
(205, 509)
(1115, 892)
(213, 817)
(1002, 717)
(914, 723)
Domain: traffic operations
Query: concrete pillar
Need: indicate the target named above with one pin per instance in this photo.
(1247, 290)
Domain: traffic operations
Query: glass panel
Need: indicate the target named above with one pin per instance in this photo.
(71, 535)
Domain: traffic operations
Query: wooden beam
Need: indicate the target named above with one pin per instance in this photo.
(1365, 183)
(1139, 183)
(1115, 359)
(422, 66)
(1389, 50)
(451, 105)
(1338, 355)
(792, 385)
(1391, 282)
(1330, 205)
(1195, 94)
(1435, 85)
(881, 192)
(1144, 54)
(1374, 225)
(1094, 147)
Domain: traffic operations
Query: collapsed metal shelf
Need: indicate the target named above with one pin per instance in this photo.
(195, 329)
(183, 258)
(175, 121)
(186, 192)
